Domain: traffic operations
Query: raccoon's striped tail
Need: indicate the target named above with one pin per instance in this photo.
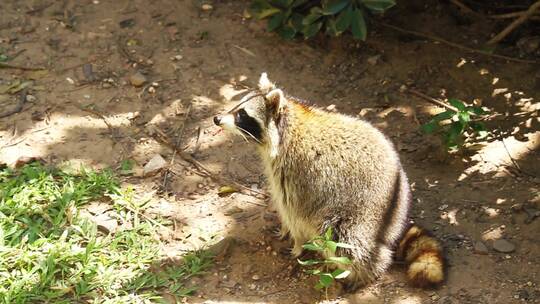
(424, 257)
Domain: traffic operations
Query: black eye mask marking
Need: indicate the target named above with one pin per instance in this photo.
(248, 124)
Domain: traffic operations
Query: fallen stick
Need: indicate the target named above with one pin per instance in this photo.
(4, 65)
(512, 26)
(456, 45)
(464, 7)
(512, 15)
(432, 100)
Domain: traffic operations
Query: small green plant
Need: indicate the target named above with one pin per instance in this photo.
(457, 125)
(307, 17)
(126, 166)
(328, 268)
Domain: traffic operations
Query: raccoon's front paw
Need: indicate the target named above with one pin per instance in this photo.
(279, 233)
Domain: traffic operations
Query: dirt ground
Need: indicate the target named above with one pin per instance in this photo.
(197, 63)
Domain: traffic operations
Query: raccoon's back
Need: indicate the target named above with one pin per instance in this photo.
(335, 158)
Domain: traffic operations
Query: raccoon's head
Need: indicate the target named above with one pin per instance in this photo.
(256, 116)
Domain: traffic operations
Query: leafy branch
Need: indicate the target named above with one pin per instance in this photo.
(455, 123)
(308, 17)
(328, 270)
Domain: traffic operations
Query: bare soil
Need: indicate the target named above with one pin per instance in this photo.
(197, 63)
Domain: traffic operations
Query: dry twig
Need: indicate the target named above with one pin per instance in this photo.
(203, 171)
(432, 100)
(512, 26)
(464, 7)
(456, 45)
(514, 15)
(4, 65)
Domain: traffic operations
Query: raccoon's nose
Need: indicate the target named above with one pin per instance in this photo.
(217, 120)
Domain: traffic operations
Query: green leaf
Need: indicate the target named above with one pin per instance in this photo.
(334, 7)
(443, 116)
(311, 18)
(3, 58)
(312, 29)
(313, 271)
(430, 127)
(308, 262)
(326, 279)
(312, 247)
(378, 6)
(457, 103)
(464, 117)
(340, 273)
(455, 130)
(331, 245)
(328, 234)
(267, 12)
(343, 21)
(287, 32)
(358, 25)
(339, 260)
(344, 245)
(276, 21)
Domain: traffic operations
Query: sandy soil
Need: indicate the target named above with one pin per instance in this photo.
(197, 63)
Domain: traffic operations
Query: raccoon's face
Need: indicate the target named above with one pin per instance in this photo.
(247, 119)
(254, 118)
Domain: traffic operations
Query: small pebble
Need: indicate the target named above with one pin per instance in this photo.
(503, 246)
(207, 7)
(373, 60)
(137, 79)
(255, 277)
(30, 98)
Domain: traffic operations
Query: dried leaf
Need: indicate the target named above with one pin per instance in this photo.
(226, 190)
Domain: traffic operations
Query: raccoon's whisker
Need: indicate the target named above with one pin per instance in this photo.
(243, 136)
(250, 135)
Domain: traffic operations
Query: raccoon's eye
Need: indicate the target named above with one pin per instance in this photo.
(241, 115)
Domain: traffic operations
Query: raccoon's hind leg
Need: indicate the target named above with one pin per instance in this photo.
(369, 260)
(366, 269)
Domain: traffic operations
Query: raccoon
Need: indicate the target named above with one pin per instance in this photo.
(331, 170)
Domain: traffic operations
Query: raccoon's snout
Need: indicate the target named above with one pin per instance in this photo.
(217, 120)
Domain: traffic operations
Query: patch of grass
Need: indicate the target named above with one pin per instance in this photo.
(51, 252)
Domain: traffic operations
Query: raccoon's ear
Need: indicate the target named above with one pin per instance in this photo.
(275, 100)
(264, 83)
